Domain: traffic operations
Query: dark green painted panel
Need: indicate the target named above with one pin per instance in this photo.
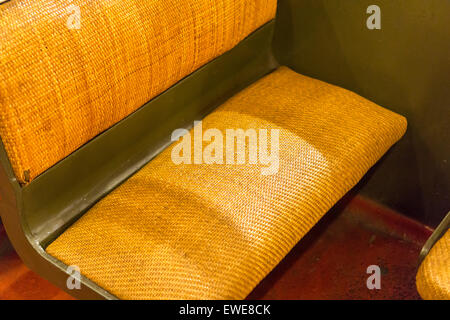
(404, 67)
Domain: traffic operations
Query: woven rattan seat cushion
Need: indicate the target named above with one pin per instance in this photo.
(195, 231)
(62, 83)
(433, 277)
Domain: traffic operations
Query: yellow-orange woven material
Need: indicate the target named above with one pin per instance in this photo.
(60, 86)
(214, 231)
(433, 278)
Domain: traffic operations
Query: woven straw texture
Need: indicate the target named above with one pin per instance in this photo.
(433, 278)
(61, 87)
(213, 231)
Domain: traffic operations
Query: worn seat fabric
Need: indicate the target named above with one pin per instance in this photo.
(433, 277)
(214, 231)
(71, 69)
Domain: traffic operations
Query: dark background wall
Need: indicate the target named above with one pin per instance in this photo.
(404, 67)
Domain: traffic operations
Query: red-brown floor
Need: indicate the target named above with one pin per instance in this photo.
(329, 263)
